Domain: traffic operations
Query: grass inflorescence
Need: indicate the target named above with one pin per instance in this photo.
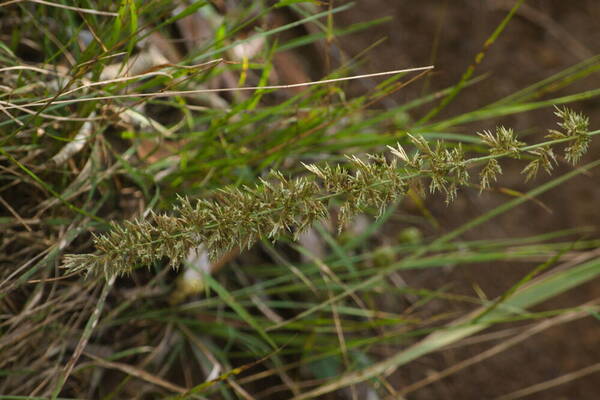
(240, 216)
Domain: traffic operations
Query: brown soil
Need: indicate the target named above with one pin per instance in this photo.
(544, 38)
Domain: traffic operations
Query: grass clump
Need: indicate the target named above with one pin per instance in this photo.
(139, 137)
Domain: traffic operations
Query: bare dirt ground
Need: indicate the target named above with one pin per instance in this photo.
(544, 38)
